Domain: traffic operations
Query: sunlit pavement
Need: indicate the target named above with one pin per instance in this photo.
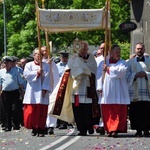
(68, 140)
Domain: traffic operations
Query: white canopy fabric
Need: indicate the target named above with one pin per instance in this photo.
(65, 20)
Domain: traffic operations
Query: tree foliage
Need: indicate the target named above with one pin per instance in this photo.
(21, 24)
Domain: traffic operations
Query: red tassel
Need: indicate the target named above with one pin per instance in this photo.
(76, 97)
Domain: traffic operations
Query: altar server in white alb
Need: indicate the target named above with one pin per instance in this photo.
(54, 76)
(36, 98)
(114, 96)
(138, 78)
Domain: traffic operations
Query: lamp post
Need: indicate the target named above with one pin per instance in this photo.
(5, 44)
(4, 17)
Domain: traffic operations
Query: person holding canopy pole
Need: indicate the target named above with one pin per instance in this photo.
(114, 96)
(36, 98)
(54, 76)
(112, 89)
(100, 72)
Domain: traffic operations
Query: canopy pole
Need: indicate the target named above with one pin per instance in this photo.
(107, 31)
(107, 43)
(49, 47)
(43, 5)
(107, 36)
(46, 35)
(47, 44)
(38, 33)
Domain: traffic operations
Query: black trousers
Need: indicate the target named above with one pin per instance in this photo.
(139, 114)
(2, 112)
(83, 117)
(11, 105)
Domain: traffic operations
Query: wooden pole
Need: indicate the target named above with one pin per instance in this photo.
(109, 30)
(48, 46)
(107, 43)
(50, 49)
(46, 34)
(51, 66)
(38, 33)
(106, 30)
(107, 35)
(43, 5)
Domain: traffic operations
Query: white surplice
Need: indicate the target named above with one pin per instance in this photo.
(33, 93)
(54, 75)
(139, 89)
(114, 87)
(99, 59)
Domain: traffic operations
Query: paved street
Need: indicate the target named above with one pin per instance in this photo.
(67, 139)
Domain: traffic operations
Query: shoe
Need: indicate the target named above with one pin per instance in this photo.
(40, 133)
(138, 134)
(100, 130)
(50, 130)
(91, 131)
(146, 133)
(63, 127)
(70, 126)
(16, 128)
(7, 129)
(109, 134)
(34, 132)
(114, 134)
(3, 128)
(82, 134)
(46, 131)
(57, 125)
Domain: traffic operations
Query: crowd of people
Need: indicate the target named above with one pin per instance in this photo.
(104, 91)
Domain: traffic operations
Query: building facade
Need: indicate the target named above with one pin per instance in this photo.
(140, 14)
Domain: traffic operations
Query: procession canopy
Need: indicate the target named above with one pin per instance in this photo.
(67, 20)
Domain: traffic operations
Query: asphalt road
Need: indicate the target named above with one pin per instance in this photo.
(67, 140)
